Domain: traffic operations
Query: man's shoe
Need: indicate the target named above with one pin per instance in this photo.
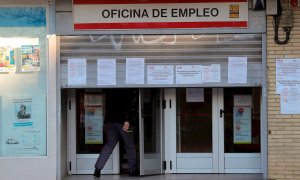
(135, 173)
(97, 173)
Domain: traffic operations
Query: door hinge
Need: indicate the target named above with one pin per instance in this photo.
(170, 165)
(70, 166)
(170, 103)
(164, 165)
(69, 105)
(164, 104)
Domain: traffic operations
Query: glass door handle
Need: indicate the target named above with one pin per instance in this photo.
(221, 113)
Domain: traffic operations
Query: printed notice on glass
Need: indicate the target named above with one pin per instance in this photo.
(7, 60)
(242, 125)
(135, 70)
(76, 72)
(188, 74)
(211, 73)
(287, 73)
(24, 125)
(30, 57)
(242, 100)
(93, 100)
(106, 72)
(194, 94)
(160, 74)
(93, 108)
(237, 70)
(94, 125)
(22, 50)
(290, 100)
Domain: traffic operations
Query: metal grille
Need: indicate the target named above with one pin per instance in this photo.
(174, 50)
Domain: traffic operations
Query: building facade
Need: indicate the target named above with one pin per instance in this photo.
(283, 130)
(205, 97)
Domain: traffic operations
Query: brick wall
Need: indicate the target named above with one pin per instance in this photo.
(284, 130)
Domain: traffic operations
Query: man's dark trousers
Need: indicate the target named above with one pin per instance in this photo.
(114, 132)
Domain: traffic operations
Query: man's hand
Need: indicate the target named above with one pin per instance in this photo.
(126, 126)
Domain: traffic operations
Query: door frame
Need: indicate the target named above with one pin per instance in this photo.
(150, 163)
(218, 128)
(171, 156)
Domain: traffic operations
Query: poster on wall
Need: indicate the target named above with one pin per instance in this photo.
(106, 72)
(287, 73)
(93, 104)
(23, 52)
(211, 73)
(24, 126)
(160, 74)
(242, 125)
(237, 70)
(188, 74)
(290, 100)
(135, 70)
(7, 60)
(30, 58)
(76, 72)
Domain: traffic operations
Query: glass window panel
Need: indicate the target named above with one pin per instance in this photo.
(151, 115)
(236, 139)
(83, 147)
(23, 79)
(194, 122)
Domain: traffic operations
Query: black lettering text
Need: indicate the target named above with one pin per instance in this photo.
(105, 13)
(214, 12)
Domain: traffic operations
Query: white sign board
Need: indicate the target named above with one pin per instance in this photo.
(157, 14)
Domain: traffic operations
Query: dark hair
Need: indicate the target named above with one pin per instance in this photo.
(23, 107)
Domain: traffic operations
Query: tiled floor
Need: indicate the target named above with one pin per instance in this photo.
(171, 177)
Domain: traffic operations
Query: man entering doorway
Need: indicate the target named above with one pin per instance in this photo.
(117, 123)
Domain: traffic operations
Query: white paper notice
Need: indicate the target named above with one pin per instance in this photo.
(215, 72)
(160, 74)
(135, 70)
(106, 72)
(290, 100)
(194, 94)
(188, 74)
(242, 100)
(237, 70)
(287, 73)
(211, 73)
(76, 72)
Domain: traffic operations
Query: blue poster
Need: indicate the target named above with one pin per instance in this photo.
(24, 125)
(242, 125)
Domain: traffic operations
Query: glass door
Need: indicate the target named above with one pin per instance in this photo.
(86, 135)
(242, 132)
(217, 130)
(194, 130)
(150, 126)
